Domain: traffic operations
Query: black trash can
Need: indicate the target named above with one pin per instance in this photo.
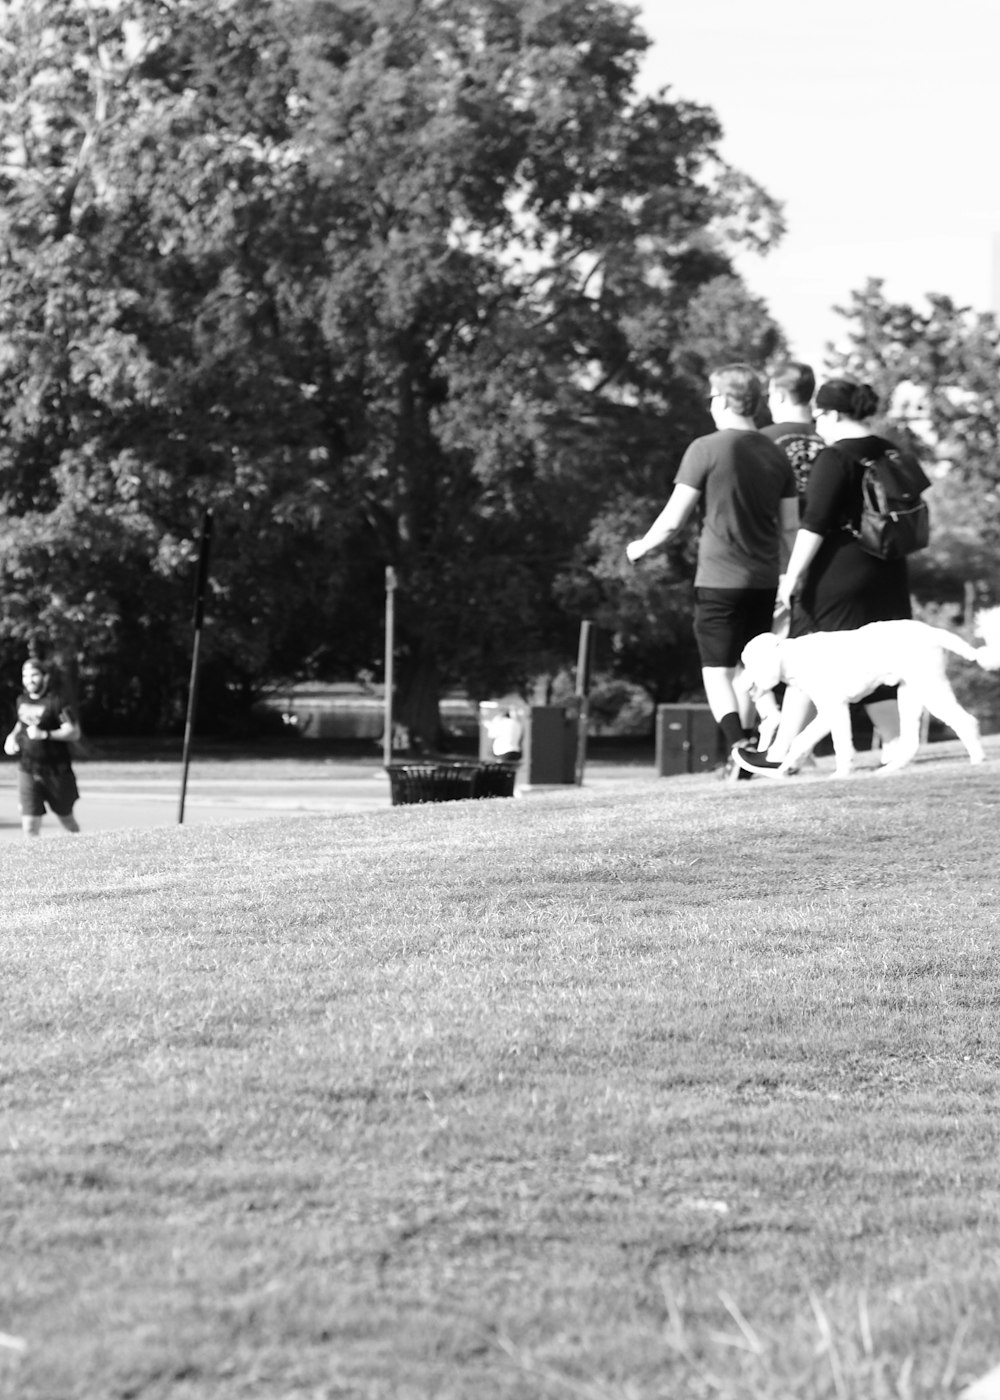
(431, 782)
(550, 747)
(688, 740)
(494, 780)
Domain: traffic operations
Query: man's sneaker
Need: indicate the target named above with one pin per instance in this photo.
(756, 763)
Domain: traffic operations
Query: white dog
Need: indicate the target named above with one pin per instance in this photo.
(835, 668)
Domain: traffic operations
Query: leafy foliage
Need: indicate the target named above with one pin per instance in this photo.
(938, 373)
(380, 283)
(645, 611)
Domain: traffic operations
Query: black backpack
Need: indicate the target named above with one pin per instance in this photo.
(895, 520)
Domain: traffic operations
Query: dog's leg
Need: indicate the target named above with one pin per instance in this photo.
(825, 723)
(904, 749)
(797, 710)
(942, 703)
(768, 718)
(843, 740)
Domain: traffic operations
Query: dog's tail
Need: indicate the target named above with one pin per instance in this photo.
(987, 656)
(988, 627)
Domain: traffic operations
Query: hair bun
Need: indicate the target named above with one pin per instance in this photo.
(849, 397)
(864, 401)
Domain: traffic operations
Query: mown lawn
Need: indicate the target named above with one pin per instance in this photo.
(686, 1093)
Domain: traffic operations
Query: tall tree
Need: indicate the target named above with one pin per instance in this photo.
(159, 354)
(521, 242)
(381, 282)
(937, 371)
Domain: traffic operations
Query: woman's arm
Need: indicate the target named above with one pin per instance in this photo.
(803, 553)
(827, 501)
(789, 528)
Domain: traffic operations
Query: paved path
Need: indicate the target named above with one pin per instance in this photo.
(109, 801)
(133, 796)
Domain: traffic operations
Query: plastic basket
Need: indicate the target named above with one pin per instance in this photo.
(449, 781)
(431, 782)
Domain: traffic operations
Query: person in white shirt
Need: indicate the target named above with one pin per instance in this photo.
(506, 733)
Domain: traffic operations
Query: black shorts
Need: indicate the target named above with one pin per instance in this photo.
(47, 786)
(725, 619)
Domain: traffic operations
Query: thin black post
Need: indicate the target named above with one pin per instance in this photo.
(583, 697)
(201, 585)
(390, 631)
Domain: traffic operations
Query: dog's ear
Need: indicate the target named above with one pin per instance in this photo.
(762, 661)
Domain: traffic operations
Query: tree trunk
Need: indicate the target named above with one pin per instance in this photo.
(419, 700)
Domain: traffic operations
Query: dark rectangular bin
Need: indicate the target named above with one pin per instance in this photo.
(688, 740)
(550, 745)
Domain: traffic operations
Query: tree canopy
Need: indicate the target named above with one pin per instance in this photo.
(427, 286)
(937, 372)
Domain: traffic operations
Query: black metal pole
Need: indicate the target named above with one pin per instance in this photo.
(390, 631)
(201, 585)
(583, 697)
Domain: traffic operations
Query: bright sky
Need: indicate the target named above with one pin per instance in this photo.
(874, 122)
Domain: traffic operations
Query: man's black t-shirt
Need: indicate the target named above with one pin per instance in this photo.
(47, 712)
(801, 444)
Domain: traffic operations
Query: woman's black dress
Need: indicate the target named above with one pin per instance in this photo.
(845, 587)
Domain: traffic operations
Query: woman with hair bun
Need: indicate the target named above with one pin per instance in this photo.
(842, 586)
(836, 585)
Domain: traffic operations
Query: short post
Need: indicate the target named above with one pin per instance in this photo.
(390, 627)
(583, 697)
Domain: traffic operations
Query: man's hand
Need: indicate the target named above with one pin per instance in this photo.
(635, 550)
(33, 732)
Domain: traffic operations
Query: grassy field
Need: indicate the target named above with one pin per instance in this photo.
(687, 1093)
